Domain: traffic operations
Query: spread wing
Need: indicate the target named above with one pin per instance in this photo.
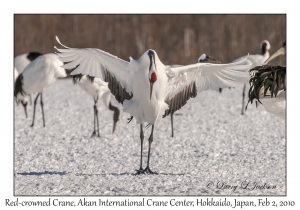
(100, 64)
(186, 81)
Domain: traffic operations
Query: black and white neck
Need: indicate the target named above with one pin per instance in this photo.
(265, 47)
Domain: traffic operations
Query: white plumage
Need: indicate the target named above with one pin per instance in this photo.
(97, 89)
(38, 75)
(16, 74)
(255, 60)
(21, 61)
(276, 104)
(148, 89)
(41, 73)
(204, 58)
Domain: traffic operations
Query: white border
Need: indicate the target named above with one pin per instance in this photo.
(149, 6)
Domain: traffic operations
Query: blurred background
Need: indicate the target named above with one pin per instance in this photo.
(178, 39)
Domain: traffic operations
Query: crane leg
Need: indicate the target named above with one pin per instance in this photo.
(96, 102)
(147, 169)
(96, 122)
(172, 135)
(34, 105)
(243, 99)
(141, 171)
(42, 106)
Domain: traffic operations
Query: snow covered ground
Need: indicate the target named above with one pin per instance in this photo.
(215, 150)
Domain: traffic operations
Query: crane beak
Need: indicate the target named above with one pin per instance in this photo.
(281, 51)
(151, 87)
(152, 80)
(25, 105)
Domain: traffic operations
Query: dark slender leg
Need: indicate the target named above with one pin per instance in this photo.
(172, 135)
(96, 108)
(34, 108)
(141, 171)
(220, 90)
(147, 169)
(243, 99)
(94, 133)
(42, 105)
(95, 118)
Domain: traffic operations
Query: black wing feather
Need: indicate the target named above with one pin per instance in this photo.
(116, 89)
(271, 78)
(181, 98)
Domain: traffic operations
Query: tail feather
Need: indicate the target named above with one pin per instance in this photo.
(19, 86)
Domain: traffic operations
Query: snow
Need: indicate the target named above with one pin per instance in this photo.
(213, 142)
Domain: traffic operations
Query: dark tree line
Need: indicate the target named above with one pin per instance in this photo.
(178, 39)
